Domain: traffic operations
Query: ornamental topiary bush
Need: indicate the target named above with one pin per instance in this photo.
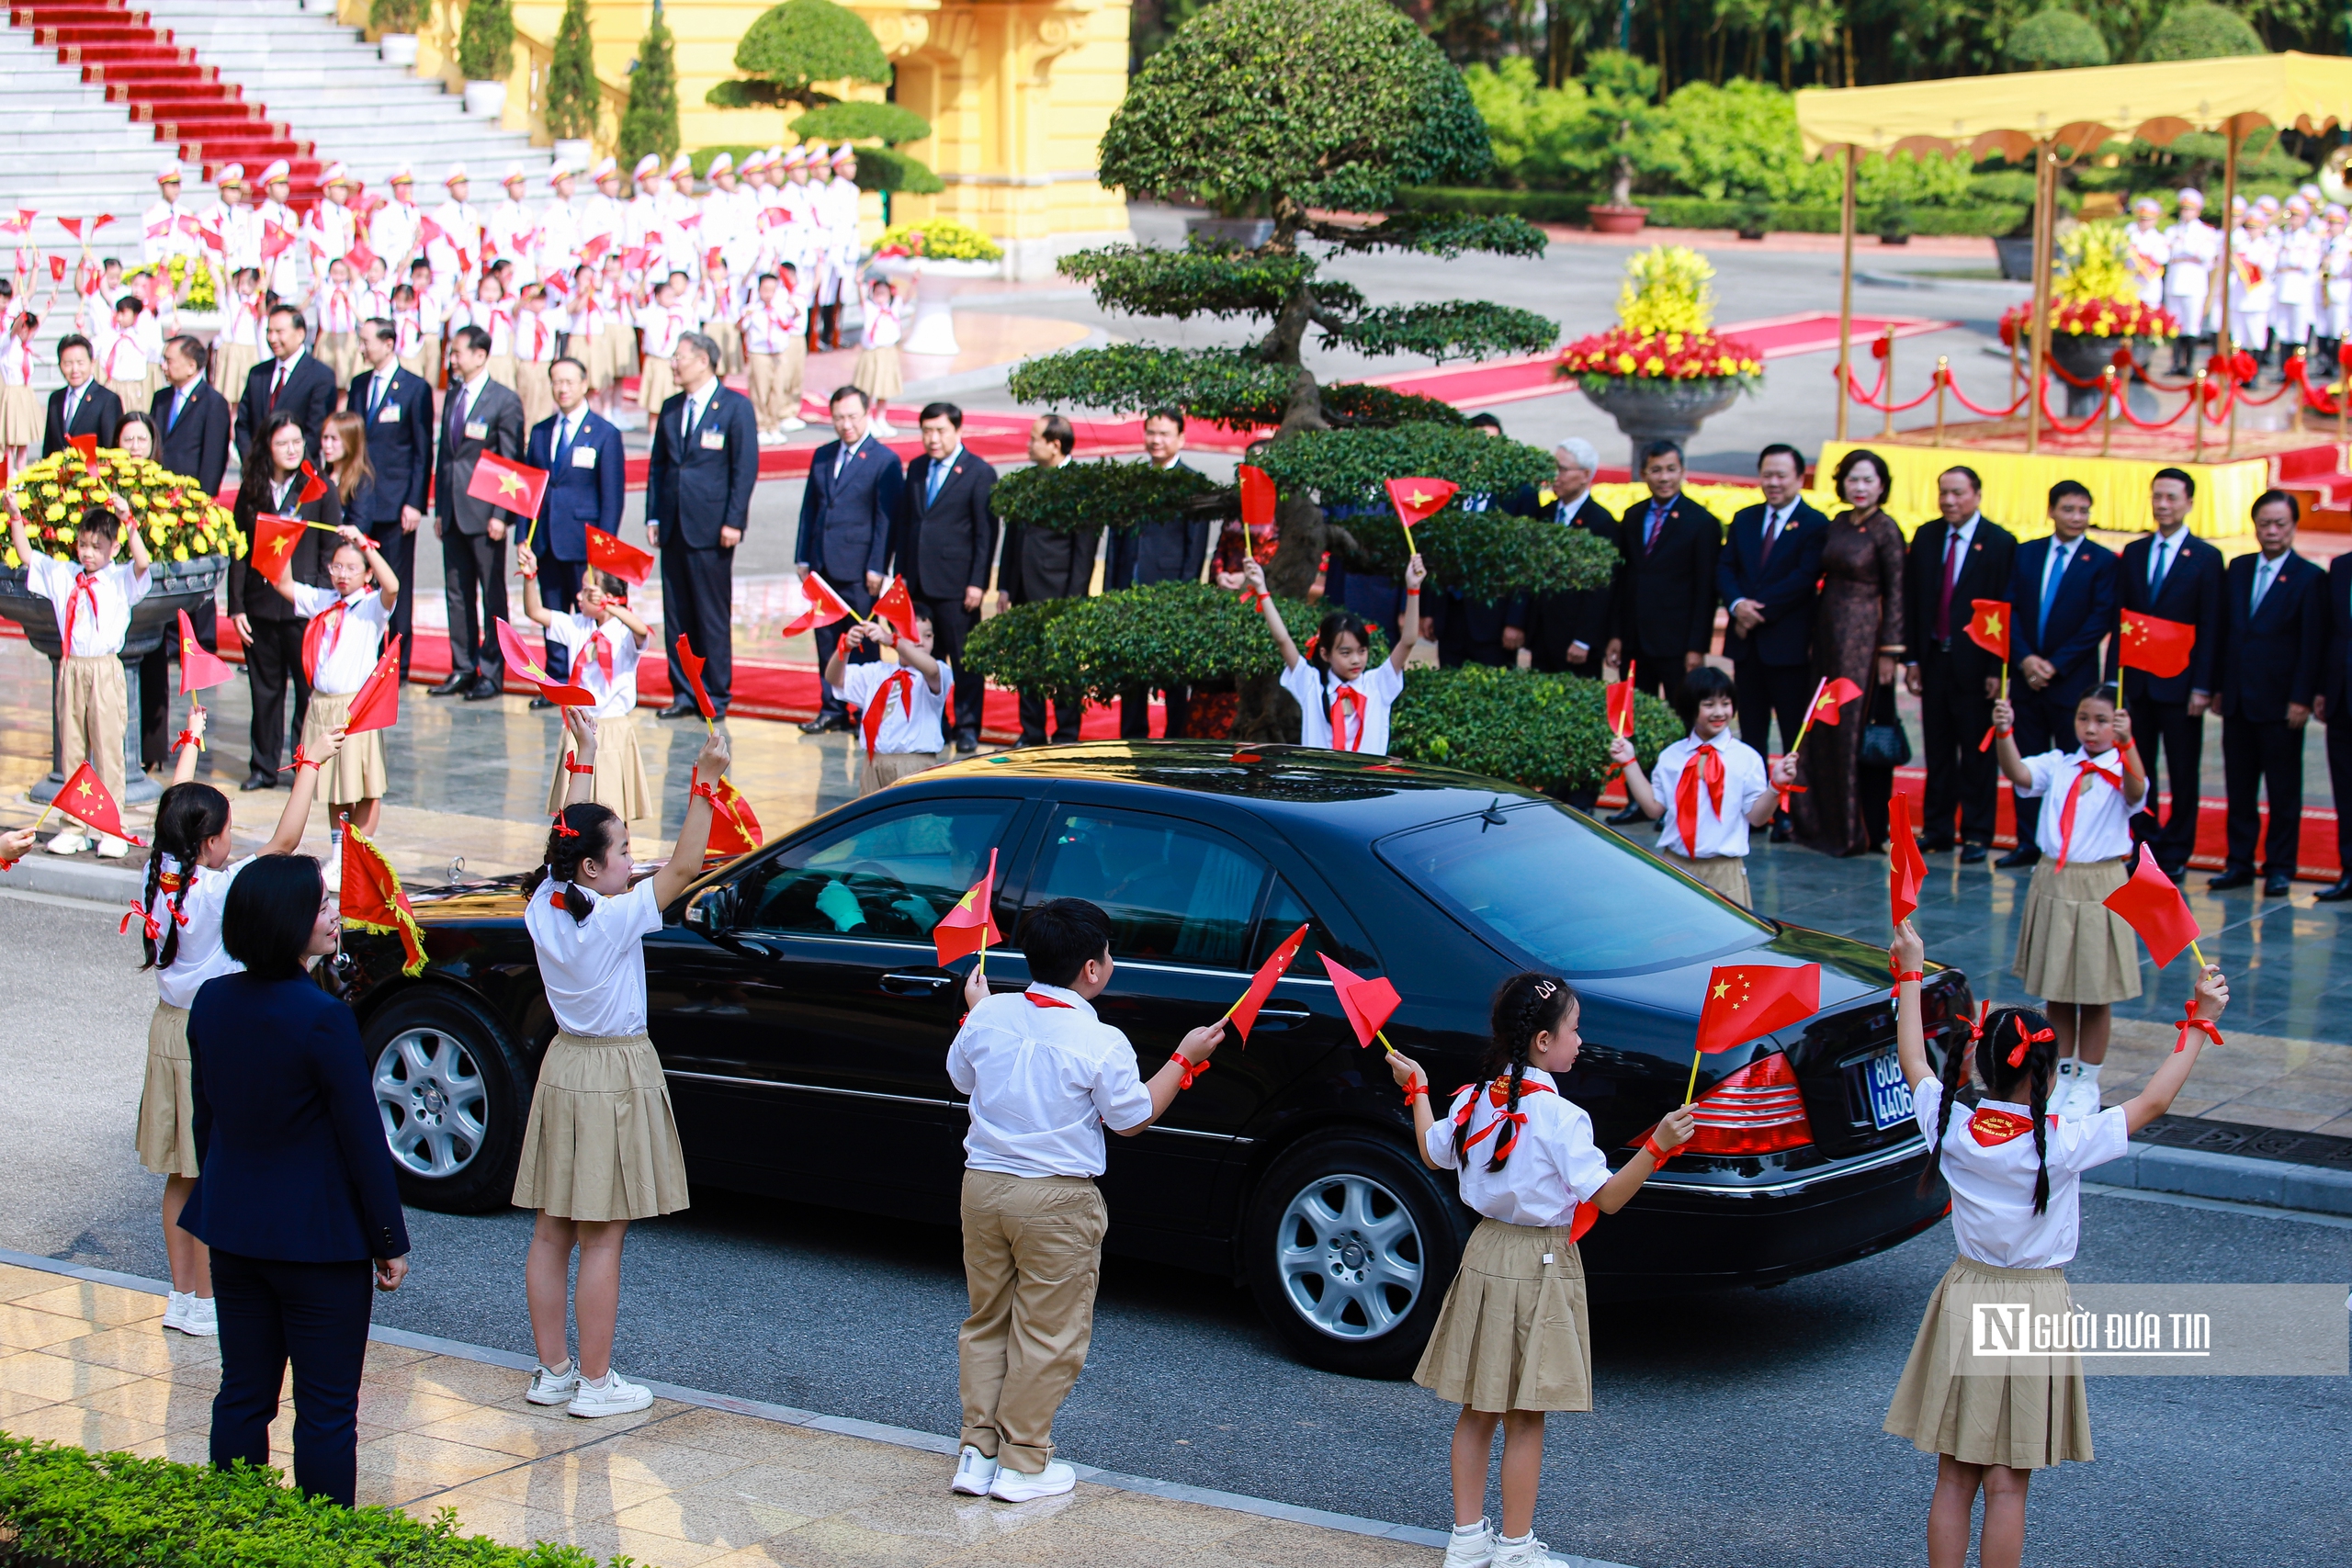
(1169, 633)
(486, 41)
(785, 53)
(2200, 31)
(1545, 731)
(649, 123)
(396, 16)
(2055, 39)
(575, 98)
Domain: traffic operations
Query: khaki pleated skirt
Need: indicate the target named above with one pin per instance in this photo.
(232, 364)
(1513, 1333)
(730, 339)
(22, 417)
(2071, 947)
(167, 1099)
(357, 772)
(655, 382)
(2026, 1420)
(601, 1143)
(619, 781)
(1727, 874)
(878, 373)
(590, 349)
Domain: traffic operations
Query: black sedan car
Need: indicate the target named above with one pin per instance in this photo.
(803, 1020)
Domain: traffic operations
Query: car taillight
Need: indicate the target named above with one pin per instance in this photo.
(1756, 1111)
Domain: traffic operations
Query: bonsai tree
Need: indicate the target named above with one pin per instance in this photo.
(574, 96)
(2055, 39)
(883, 168)
(2200, 31)
(396, 16)
(785, 53)
(486, 41)
(649, 123)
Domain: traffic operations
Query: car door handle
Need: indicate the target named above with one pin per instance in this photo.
(1282, 1015)
(902, 983)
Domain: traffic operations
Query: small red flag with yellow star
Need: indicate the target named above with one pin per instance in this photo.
(86, 799)
(517, 486)
(967, 928)
(1745, 1000)
(2158, 645)
(1988, 628)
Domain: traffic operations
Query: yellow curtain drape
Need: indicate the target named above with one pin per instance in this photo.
(2017, 487)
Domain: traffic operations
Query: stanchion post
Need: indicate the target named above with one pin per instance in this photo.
(1943, 378)
(2197, 395)
(2106, 409)
(1846, 292)
(2037, 322)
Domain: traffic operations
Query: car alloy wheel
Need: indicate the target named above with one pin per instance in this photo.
(434, 1103)
(1349, 1257)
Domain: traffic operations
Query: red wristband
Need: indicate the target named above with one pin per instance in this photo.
(1191, 1070)
(1415, 1091)
(1913, 975)
(571, 767)
(1658, 1156)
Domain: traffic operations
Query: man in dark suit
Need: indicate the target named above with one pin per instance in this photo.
(477, 415)
(697, 503)
(2333, 704)
(944, 543)
(1481, 631)
(581, 450)
(2267, 660)
(1042, 564)
(2173, 576)
(1959, 558)
(1567, 631)
(1765, 576)
(396, 407)
(845, 518)
(83, 406)
(1173, 551)
(192, 425)
(1666, 600)
(2061, 604)
(291, 381)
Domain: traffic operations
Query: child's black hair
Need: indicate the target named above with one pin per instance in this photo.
(1525, 1005)
(581, 831)
(613, 587)
(1697, 686)
(1318, 652)
(1061, 936)
(99, 520)
(185, 819)
(2008, 1032)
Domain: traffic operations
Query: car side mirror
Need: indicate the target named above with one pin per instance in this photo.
(712, 910)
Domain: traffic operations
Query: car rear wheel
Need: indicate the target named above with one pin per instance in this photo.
(452, 1092)
(1349, 1248)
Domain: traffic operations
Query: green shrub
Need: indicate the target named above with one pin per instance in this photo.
(486, 41)
(1975, 216)
(1487, 555)
(649, 123)
(2200, 31)
(1166, 634)
(63, 1506)
(1348, 467)
(797, 45)
(861, 122)
(2055, 39)
(1543, 731)
(1127, 494)
(574, 97)
(397, 15)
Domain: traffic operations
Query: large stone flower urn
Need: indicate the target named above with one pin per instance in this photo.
(1652, 408)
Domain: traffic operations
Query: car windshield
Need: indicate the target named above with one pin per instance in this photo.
(1561, 893)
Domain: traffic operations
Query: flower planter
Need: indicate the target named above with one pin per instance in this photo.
(1650, 408)
(936, 284)
(1606, 219)
(397, 48)
(574, 154)
(2083, 356)
(176, 586)
(487, 99)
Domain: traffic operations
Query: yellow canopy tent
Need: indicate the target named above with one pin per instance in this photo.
(2054, 117)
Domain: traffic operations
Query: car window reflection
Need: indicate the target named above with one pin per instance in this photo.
(1174, 892)
(893, 875)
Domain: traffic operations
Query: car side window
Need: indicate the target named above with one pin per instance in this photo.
(1175, 892)
(1285, 912)
(891, 876)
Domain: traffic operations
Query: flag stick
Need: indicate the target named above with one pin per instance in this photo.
(44, 813)
(1382, 1035)
(2199, 953)
(1801, 730)
(1693, 1087)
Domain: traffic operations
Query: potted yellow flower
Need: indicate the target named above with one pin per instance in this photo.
(1662, 372)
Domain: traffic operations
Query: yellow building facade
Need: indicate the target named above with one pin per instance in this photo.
(1018, 94)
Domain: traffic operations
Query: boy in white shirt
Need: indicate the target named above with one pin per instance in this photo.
(1708, 789)
(905, 704)
(1045, 1076)
(93, 601)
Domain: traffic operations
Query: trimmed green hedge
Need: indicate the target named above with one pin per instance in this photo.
(1985, 218)
(1166, 634)
(1112, 491)
(63, 1506)
(1543, 731)
(1486, 555)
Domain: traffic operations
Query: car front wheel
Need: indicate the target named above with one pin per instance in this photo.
(453, 1093)
(1350, 1249)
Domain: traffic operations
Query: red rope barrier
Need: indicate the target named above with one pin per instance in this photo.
(2061, 426)
(1854, 390)
(1979, 409)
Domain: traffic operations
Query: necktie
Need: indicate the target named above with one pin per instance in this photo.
(179, 402)
(2265, 574)
(456, 415)
(376, 385)
(73, 406)
(564, 432)
(2084, 770)
(2060, 557)
(319, 639)
(1772, 525)
(1704, 765)
(1656, 526)
(276, 384)
(1953, 553)
(931, 481)
(841, 459)
(903, 683)
(86, 586)
(1345, 701)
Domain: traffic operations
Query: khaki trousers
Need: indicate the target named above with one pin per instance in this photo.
(92, 704)
(1033, 1254)
(887, 768)
(775, 383)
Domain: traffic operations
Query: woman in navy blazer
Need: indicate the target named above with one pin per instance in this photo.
(297, 1199)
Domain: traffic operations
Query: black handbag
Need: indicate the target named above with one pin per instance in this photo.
(1885, 743)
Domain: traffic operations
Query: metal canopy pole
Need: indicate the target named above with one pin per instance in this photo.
(2045, 191)
(1846, 293)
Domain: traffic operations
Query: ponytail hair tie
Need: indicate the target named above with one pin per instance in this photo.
(1314, 640)
(2018, 1051)
(564, 830)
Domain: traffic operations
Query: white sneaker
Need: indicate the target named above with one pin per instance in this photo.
(1012, 1485)
(201, 1320)
(1470, 1546)
(2087, 1097)
(975, 1473)
(1525, 1552)
(618, 1397)
(69, 841)
(555, 1388)
(112, 847)
(174, 1308)
(790, 426)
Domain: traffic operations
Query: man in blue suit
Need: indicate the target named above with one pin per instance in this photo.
(2173, 576)
(1961, 557)
(580, 451)
(2273, 642)
(396, 407)
(697, 503)
(1765, 576)
(846, 514)
(2062, 603)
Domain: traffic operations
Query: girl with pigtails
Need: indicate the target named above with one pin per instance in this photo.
(2014, 1170)
(188, 876)
(1344, 698)
(601, 1146)
(1512, 1340)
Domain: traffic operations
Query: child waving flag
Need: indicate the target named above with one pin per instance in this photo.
(1710, 788)
(1344, 698)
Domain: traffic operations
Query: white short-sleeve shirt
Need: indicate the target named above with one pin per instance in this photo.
(1992, 1185)
(1720, 833)
(199, 955)
(1045, 1076)
(920, 732)
(347, 651)
(2102, 820)
(593, 970)
(113, 589)
(579, 634)
(1554, 1166)
(1379, 686)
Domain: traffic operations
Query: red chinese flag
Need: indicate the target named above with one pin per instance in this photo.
(609, 555)
(968, 927)
(1908, 870)
(274, 541)
(2150, 905)
(517, 486)
(85, 444)
(1834, 696)
(1620, 694)
(1745, 1000)
(825, 604)
(377, 704)
(2159, 647)
(592, 251)
(199, 670)
(897, 607)
(1988, 628)
(734, 830)
(693, 667)
(275, 241)
(1417, 499)
(57, 269)
(1257, 497)
(372, 899)
(1367, 1003)
(84, 798)
(1262, 984)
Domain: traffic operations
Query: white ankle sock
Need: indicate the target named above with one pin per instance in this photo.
(562, 1369)
(603, 1382)
(1477, 1529)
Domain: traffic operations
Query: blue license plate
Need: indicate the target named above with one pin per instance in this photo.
(1890, 1094)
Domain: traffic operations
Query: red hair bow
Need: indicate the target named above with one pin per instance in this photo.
(564, 830)
(139, 912)
(2018, 1051)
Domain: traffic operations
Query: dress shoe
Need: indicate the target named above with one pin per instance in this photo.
(1971, 854)
(966, 744)
(2277, 885)
(823, 723)
(539, 702)
(259, 780)
(482, 691)
(678, 709)
(2231, 876)
(1631, 814)
(1935, 846)
(2335, 892)
(450, 687)
(2018, 859)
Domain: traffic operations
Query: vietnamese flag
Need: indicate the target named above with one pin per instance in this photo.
(313, 487)
(57, 269)
(427, 230)
(592, 251)
(611, 556)
(85, 444)
(1619, 695)
(734, 830)
(1261, 984)
(968, 927)
(897, 607)
(372, 899)
(2158, 645)
(358, 256)
(1988, 628)
(1369, 1004)
(199, 670)
(2150, 905)
(377, 704)
(1745, 1000)
(693, 667)
(1834, 695)
(517, 486)
(1257, 497)
(84, 798)
(1417, 499)
(275, 241)
(274, 539)
(519, 657)
(1907, 869)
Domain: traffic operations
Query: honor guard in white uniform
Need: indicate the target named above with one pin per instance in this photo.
(2147, 250)
(2302, 246)
(331, 228)
(641, 218)
(164, 234)
(281, 275)
(455, 252)
(2254, 283)
(727, 219)
(557, 251)
(392, 228)
(601, 214)
(511, 231)
(681, 221)
(2192, 250)
(231, 219)
(838, 209)
(2335, 285)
